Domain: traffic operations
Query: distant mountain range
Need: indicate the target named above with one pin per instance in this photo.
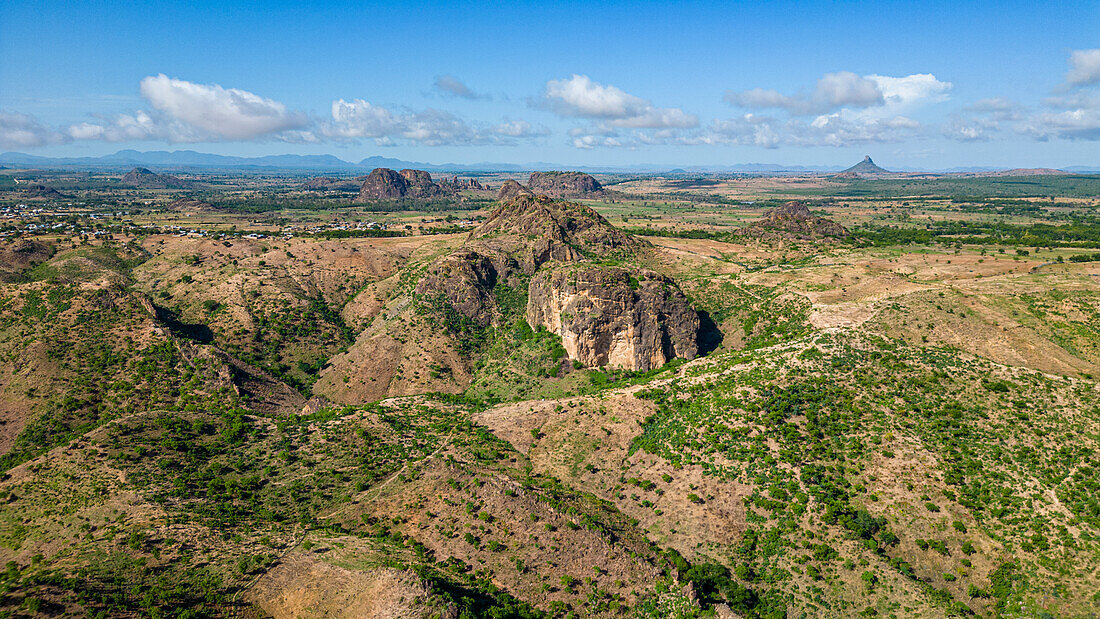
(183, 159)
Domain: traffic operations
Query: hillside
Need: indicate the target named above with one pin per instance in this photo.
(826, 408)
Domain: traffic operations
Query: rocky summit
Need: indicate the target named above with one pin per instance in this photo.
(633, 319)
(793, 220)
(516, 239)
(511, 189)
(563, 184)
(387, 184)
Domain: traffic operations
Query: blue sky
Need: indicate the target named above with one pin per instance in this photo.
(925, 85)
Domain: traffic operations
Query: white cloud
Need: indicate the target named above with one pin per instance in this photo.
(1073, 124)
(25, 131)
(845, 90)
(831, 92)
(188, 112)
(519, 129)
(911, 89)
(992, 104)
(359, 119)
(825, 130)
(963, 128)
(580, 97)
(450, 85)
(1084, 67)
(227, 113)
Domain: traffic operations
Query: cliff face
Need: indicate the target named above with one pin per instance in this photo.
(612, 316)
(563, 184)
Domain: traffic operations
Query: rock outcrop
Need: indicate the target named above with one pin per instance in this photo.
(456, 184)
(793, 220)
(613, 316)
(563, 184)
(511, 189)
(386, 184)
(144, 178)
(518, 237)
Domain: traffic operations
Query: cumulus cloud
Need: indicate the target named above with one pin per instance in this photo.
(824, 130)
(968, 128)
(519, 129)
(846, 109)
(1084, 67)
(25, 131)
(846, 90)
(184, 111)
(139, 126)
(228, 113)
(833, 91)
(580, 97)
(1081, 123)
(450, 85)
(359, 119)
(911, 89)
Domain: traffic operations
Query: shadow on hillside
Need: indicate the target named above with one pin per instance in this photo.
(710, 337)
(197, 332)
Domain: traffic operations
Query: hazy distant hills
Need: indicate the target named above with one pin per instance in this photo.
(193, 159)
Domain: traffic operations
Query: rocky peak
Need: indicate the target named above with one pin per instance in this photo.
(563, 184)
(866, 167)
(528, 218)
(511, 189)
